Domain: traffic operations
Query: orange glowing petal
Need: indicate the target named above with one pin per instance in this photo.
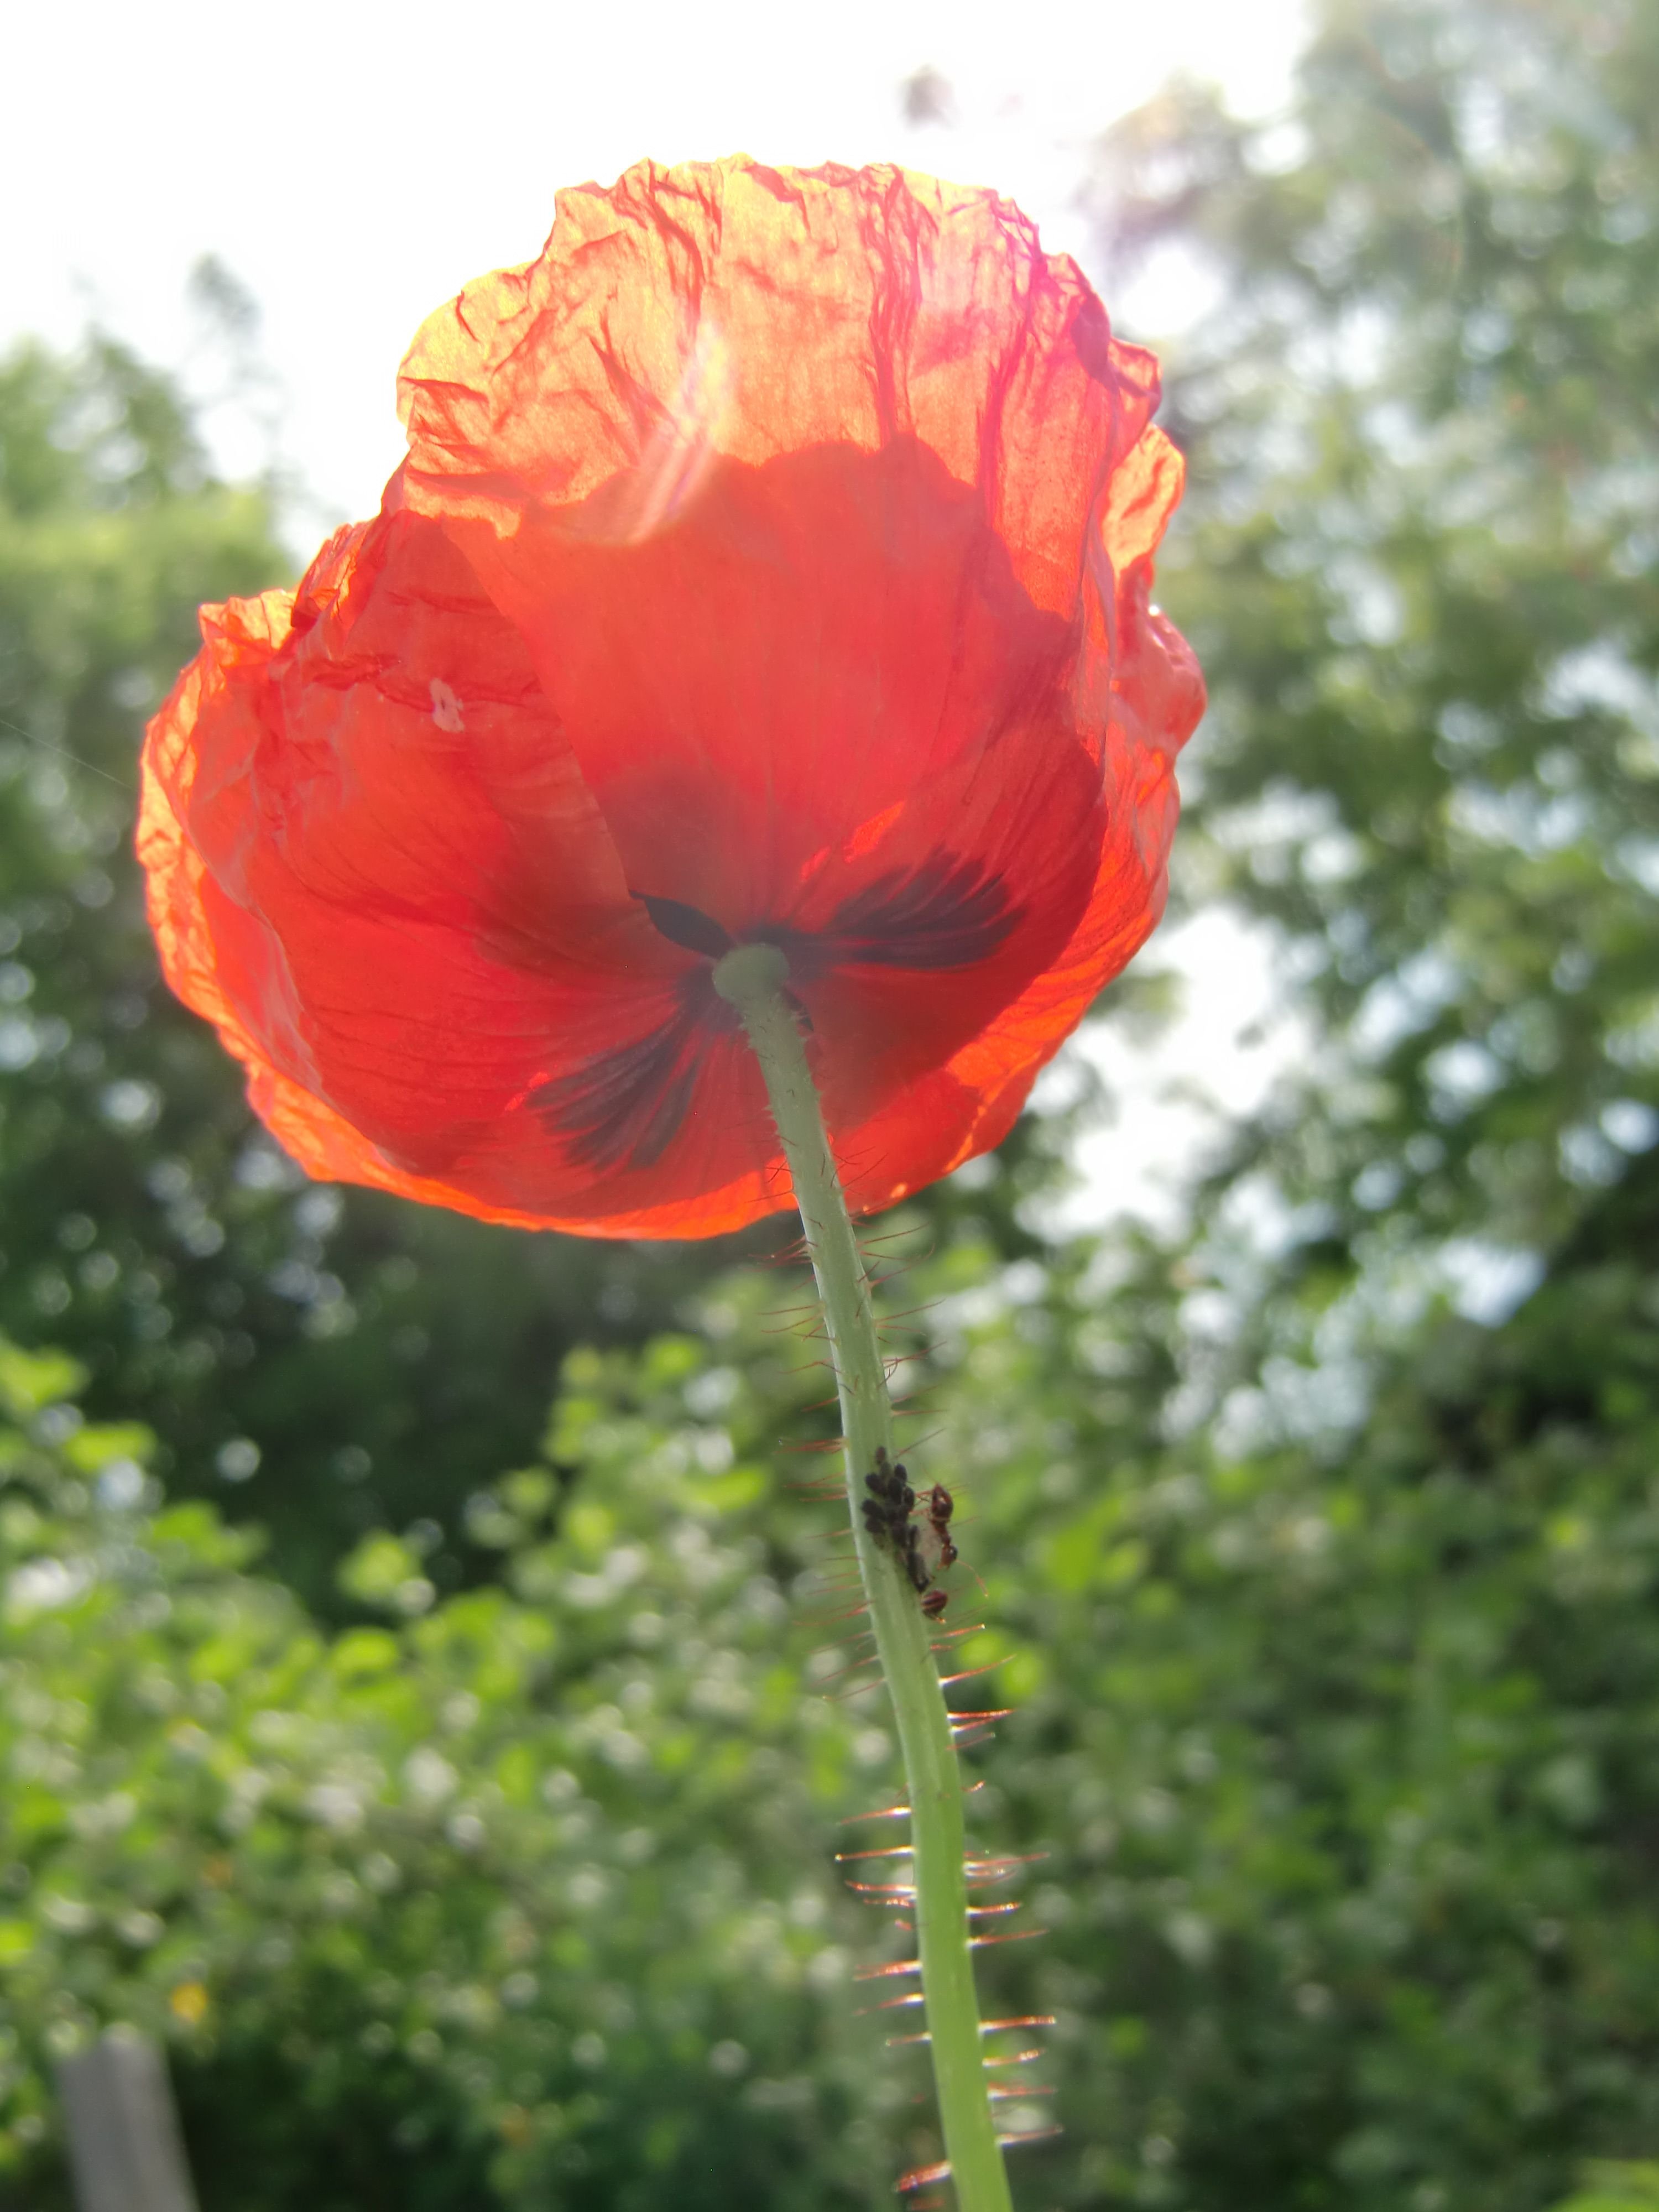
(849, 306)
(772, 559)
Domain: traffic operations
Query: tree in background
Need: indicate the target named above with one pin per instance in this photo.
(1421, 422)
(1419, 567)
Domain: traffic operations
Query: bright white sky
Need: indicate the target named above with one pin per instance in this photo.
(354, 163)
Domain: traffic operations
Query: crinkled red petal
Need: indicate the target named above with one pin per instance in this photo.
(777, 549)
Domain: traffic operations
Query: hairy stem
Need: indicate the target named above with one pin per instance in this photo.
(752, 979)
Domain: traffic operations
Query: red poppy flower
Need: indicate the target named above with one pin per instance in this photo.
(770, 562)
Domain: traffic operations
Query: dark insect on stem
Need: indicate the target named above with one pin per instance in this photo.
(940, 1506)
(887, 1516)
(892, 1501)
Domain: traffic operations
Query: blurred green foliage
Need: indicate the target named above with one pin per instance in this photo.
(1417, 561)
(520, 1890)
(1319, 1536)
(1340, 1771)
(1613, 2187)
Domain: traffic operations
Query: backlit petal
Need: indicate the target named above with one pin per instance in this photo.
(772, 560)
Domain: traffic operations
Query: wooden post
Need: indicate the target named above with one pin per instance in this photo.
(125, 2151)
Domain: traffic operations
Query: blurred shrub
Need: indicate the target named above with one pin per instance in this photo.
(1340, 1764)
(522, 1895)
(1612, 2188)
(1341, 1747)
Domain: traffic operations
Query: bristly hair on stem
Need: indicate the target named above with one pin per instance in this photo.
(753, 978)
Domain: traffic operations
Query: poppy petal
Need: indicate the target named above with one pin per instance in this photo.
(772, 561)
(731, 308)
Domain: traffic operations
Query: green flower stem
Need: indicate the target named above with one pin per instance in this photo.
(752, 978)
